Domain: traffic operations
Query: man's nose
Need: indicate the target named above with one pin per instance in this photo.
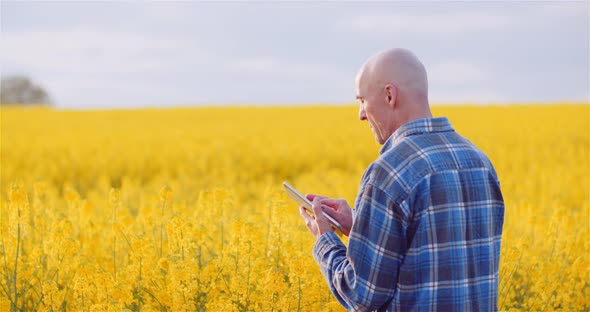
(362, 114)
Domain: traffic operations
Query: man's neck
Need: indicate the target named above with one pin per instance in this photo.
(417, 114)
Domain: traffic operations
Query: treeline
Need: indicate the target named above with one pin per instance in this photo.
(22, 90)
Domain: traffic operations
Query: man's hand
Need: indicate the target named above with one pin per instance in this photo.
(337, 209)
(318, 224)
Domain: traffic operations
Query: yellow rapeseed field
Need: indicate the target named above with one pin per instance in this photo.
(183, 210)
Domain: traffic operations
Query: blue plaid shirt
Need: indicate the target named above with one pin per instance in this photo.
(426, 230)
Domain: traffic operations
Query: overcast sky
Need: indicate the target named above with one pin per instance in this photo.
(134, 54)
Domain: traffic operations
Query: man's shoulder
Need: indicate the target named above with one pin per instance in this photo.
(389, 174)
(434, 152)
(398, 170)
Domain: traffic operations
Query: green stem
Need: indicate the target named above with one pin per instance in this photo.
(268, 230)
(221, 225)
(162, 307)
(558, 283)
(5, 291)
(115, 241)
(278, 249)
(510, 276)
(237, 254)
(16, 260)
(248, 278)
(299, 297)
(9, 290)
(182, 244)
(199, 258)
(162, 228)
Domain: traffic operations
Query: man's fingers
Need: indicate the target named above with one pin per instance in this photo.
(329, 201)
(329, 210)
(305, 216)
(317, 210)
(334, 203)
(311, 197)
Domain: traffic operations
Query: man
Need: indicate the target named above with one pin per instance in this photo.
(426, 229)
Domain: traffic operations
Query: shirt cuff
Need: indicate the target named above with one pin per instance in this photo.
(324, 244)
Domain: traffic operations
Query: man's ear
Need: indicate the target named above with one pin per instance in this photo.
(391, 94)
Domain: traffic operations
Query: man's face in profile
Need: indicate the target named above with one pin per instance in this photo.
(372, 109)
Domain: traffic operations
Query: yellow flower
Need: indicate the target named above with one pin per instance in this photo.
(166, 194)
(233, 240)
(114, 196)
(164, 264)
(17, 193)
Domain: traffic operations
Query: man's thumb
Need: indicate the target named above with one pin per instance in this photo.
(317, 209)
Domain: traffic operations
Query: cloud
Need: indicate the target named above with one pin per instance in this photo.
(457, 73)
(274, 66)
(450, 23)
(257, 64)
(458, 81)
(101, 67)
(565, 9)
(189, 52)
(83, 51)
(476, 96)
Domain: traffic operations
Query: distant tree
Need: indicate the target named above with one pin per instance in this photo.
(21, 90)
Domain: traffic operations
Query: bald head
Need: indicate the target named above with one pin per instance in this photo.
(399, 67)
(393, 88)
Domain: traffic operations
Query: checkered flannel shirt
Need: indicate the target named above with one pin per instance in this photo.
(426, 230)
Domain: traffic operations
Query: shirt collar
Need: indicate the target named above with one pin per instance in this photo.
(418, 126)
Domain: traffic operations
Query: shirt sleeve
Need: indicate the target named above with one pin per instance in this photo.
(364, 276)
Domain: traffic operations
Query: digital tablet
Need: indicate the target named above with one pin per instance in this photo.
(302, 201)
